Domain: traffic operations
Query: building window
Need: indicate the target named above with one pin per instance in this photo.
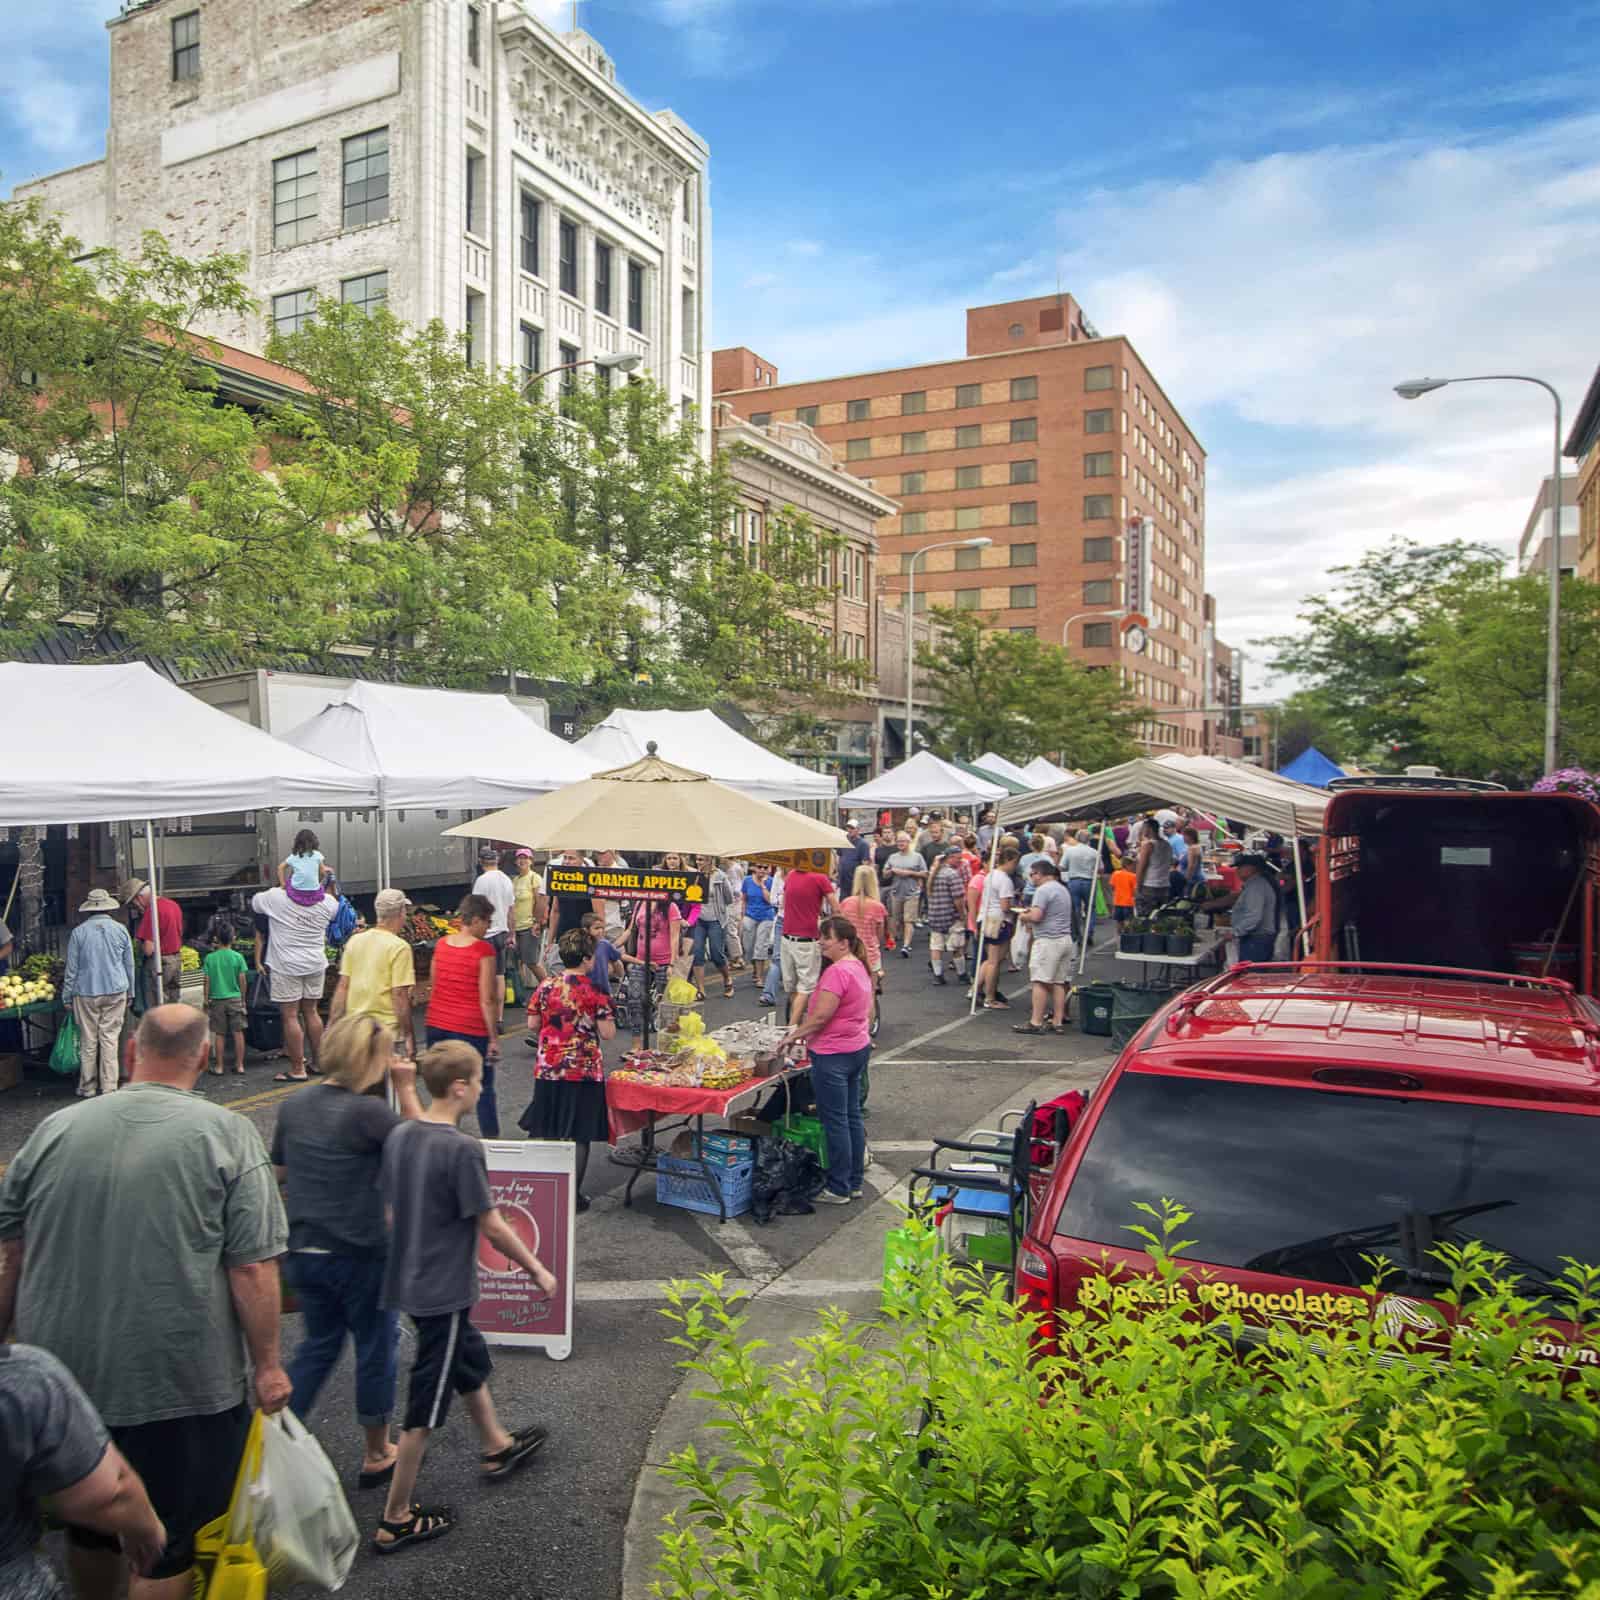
(477, 208)
(688, 199)
(1024, 430)
(1024, 471)
(1024, 555)
(1024, 513)
(968, 560)
(1024, 388)
(603, 288)
(691, 325)
(568, 260)
(969, 599)
(532, 355)
(760, 419)
(1028, 631)
(857, 410)
(569, 368)
(914, 404)
(969, 394)
(366, 178)
(914, 522)
(968, 518)
(1097, 421)
(1099, 550)
(1096, 507)
(294, 199)
(807, 415)
(1097, 636)
(475, 350)
(1024, 597)
(528, 237)
(921, 601)
(1100, 592)
(186, 47)
(1097, 378)
(366, 293)
(292, 311)
(636, 296)
(474, 36)
(913, 444)
(857, 449)
(913, 482)
(1097, 464)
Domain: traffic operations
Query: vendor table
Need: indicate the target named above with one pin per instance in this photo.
(640, 1108)
(1206, 946)
(32, 1016)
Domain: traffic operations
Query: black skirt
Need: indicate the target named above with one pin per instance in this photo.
(560, 1110)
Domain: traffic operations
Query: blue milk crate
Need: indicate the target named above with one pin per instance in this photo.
(679, 1183)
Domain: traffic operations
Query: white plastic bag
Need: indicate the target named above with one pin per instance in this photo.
(303, 1529)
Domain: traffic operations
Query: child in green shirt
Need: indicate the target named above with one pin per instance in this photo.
(224, 971)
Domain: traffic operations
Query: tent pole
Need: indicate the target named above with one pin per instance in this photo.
(977, 954)
(1094, 884)
(383, 836)
(155, 905)
(1300, 887)
(645, 1020)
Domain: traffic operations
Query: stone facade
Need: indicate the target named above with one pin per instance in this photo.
(455, 159)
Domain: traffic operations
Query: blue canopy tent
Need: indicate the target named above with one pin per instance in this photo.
(1312, 767)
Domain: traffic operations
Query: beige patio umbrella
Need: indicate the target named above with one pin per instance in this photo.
(653, 805)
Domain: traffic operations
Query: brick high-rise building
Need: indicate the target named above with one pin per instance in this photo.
(1046, 438)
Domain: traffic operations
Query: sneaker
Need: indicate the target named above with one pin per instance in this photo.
(829, 1198)
(905, 954)
(855, 1194)
(763, 1002)
(940, 980)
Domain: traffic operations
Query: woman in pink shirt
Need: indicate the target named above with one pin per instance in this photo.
(664, 920)
(836, 1025)
(865, 908)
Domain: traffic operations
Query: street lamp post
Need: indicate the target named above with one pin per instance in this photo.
(911, 609)
(1414, 389)
(1083, 616)
(618, 361)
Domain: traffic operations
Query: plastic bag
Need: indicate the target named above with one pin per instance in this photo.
(64, 1052)
(227, 1565)
(300, 1520)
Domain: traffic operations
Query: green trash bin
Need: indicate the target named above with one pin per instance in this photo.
(1096, 1001)
(1132, 1007)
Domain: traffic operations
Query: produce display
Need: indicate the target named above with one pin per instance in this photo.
(424, 924)
(691, 1060)
(17, 989)
(748, 1039)
(189, 958)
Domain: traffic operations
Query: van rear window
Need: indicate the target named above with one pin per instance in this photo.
(1306, 1183)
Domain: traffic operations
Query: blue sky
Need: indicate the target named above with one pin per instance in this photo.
(1287, 208)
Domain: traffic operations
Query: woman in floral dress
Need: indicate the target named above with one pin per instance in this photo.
(569, 1017)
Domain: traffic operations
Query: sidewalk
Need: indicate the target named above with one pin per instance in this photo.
(843, 1271)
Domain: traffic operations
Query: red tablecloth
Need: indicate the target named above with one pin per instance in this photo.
(631, 1105)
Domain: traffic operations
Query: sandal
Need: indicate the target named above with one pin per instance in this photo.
(418, 1528)
(289, 1077)
(996, 1005)
(1027, 1027)
(727, 991)
(366, 1479)
(1058, 1027)
(502, 1463)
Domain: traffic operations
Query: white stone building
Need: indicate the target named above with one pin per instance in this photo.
(450, 158)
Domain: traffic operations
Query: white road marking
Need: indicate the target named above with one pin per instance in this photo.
(984, 1061)
(622, 1290)
(741, 1247)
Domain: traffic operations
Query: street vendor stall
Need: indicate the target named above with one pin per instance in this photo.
(653, 805)
(924, 780)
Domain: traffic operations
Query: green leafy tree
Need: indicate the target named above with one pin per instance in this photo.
(1308, 718)
(135, 501)
(1359, 646)
(1483, 660)
(1012, 692)
(446, 562)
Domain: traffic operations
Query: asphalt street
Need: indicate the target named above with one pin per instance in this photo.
(556, 1530)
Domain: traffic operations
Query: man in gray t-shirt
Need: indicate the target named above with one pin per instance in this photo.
(1050, 954)
(904, 873)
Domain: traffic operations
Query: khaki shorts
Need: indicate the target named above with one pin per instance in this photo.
(801, 965)
(953, 941)
(287, 989)
(1050, 960)
(227, 1016)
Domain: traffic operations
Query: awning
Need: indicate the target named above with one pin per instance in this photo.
(924, 780)
(993, 763)
(1312, 767)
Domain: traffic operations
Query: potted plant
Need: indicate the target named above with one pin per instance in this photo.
(1180, 939)
(1154, 938)
(1130, 938)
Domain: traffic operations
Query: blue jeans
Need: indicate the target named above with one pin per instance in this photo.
(488, 1106)
(339, 1295)
(1082, 905)
(836, 1083)
(710, 937)
(1256, 946)
(771, 989)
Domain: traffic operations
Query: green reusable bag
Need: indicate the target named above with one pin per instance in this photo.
(64, 1052)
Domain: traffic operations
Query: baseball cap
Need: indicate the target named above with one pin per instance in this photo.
(524, 854)
(488, 853)
(389, 901)
(951, 850)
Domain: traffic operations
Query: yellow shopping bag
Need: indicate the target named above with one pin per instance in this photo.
(226, 1565)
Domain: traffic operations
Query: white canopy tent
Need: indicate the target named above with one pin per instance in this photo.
(703, 742)
(1008, 768)
(1041, 773)
(121, 743)
(439, 747)
(924, 780)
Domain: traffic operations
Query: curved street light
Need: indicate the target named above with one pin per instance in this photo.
(911, 609)
(1414, 389)
(617, 361)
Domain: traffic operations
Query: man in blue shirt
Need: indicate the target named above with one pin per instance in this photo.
(97, 985)
(1173, 834)
(857, 854)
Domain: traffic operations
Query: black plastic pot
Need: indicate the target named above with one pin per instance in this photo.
(1131, 944)
(1180, 944)
(1154, 944)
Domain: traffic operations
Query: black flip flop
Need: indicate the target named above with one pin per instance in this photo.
(376, 1480)
(423, 1524)
(289, 1077)
(502, 1463)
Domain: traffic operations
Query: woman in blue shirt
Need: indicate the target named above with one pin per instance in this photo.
(758, 918)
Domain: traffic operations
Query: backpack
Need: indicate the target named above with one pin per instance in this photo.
(343, 922)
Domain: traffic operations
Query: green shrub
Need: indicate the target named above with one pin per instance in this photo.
(935, 1457)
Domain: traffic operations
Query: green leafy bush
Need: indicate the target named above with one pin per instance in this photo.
(936, 1456)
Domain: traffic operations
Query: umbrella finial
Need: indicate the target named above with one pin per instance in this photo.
(650, 747)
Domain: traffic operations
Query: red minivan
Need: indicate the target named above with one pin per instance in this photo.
(1313, 1117)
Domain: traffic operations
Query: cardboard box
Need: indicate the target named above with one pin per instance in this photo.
(10, 1070)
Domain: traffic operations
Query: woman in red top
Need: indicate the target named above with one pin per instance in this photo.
(463, 1005)
(571, 1017)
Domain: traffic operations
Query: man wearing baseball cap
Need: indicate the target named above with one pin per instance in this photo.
(498, 890)
(377, 972)
(527, 916)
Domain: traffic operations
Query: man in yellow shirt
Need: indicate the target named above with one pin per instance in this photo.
(377, 973)
(527, 917)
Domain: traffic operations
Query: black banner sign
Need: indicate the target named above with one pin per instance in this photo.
(657, 885)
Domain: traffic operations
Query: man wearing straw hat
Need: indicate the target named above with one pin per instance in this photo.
(134, 893)
(98, 985)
